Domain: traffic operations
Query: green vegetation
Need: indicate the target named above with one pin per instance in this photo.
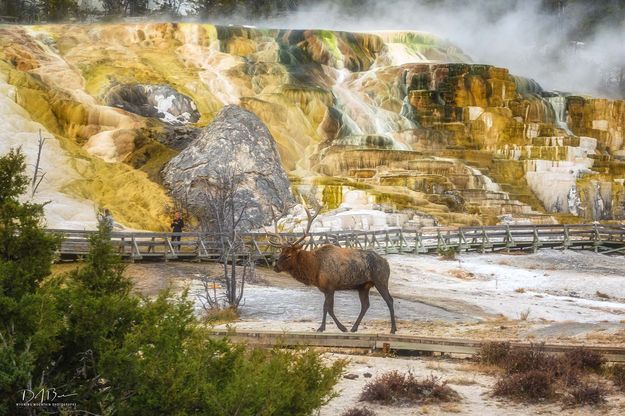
(448, 252)
(85, 334)
(27, 332)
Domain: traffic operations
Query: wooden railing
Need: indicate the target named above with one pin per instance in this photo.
(396, 342)
(205, 246)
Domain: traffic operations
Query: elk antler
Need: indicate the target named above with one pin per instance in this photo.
(311, 218)
(280, 243)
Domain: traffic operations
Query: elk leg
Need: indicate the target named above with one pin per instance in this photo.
(329, 306)
(363, 293)
(383, 291)
(325, 312)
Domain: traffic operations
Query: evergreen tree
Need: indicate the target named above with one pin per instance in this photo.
(58, 10)
(99, 310)
(28, 321)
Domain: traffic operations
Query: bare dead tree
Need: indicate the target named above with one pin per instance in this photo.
(209, 299)
(38, 174)
(226, 208)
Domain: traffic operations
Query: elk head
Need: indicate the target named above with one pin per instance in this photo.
(288, 250)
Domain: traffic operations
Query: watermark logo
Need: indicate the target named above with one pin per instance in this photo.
(45, 398)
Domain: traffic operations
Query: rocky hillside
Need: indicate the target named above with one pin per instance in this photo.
(404, 117)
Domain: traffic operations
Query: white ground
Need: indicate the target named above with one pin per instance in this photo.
(567, 297)
(552, 295)
(552, 285)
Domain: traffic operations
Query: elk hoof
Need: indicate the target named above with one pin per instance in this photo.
(354, 329)
(321, 329)
(342, 328)
(393, 330)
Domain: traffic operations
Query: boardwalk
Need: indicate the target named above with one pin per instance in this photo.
(397, 342)
(137, 246)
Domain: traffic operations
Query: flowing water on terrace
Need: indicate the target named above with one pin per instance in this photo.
(558, 103)
(361, 113)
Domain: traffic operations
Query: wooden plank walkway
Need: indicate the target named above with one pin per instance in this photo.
(385, 342)
(135, 246)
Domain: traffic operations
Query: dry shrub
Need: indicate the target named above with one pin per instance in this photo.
(617, 375)
(359, 411)
(397, 388)
(522, 360)
(583, 359)
(567, 376)
(533, 375)
(532, 385)
(586, 394)
(564, 369)
(494, 353)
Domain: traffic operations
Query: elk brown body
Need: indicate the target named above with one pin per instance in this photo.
(331, 268)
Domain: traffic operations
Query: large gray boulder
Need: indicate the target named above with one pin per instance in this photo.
(236, 145)
(157, 101)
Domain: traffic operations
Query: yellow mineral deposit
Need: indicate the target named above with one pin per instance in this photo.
(76, 182)
(402, 116)
(19, 130)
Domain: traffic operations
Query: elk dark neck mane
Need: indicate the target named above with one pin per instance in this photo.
(304, 268)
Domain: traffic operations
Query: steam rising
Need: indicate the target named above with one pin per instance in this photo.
(506, 33)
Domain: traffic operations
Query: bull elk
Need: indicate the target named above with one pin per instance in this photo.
(331, 268)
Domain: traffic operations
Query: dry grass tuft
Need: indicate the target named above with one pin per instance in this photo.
(461, 274)
(451, 407)
(462, 381)
(435, 365)
(217, 316)
(524, 314)
(359, 411)
(406, 389)
(616, 373)
(488, 369)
